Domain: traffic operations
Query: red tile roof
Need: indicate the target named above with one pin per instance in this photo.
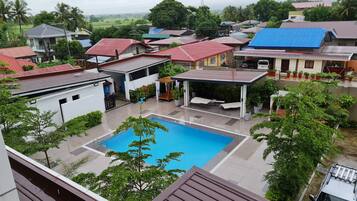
(107, 46)
(18, 52)
(17, 64)
(195, 51)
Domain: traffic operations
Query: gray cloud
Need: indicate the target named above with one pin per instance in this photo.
(124, 6)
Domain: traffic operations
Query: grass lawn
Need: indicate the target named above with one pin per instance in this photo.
(108, 22)
(348, 152)
(14, 28)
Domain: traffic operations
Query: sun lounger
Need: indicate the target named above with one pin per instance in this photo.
(205, 101)
(231, 105)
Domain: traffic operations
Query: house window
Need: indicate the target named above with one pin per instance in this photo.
(309, 64)
(213, 60)
(62, 101)
(223, 58)
(137, 75)
(153, 70)
(75, 97)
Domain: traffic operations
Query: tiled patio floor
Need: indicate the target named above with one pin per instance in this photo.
(244, 165)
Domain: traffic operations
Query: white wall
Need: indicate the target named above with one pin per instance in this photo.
(132, 85)
(278, 64)
(317, 66)
(91, 99)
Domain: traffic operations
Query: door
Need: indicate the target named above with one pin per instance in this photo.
(285, 65)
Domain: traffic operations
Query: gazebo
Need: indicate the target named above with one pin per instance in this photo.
(242, 78)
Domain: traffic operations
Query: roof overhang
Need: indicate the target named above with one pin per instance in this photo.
(119, 70)
(222, 76)
(291, 55)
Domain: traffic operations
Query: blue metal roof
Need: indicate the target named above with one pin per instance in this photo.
(311, 38)
(86, 43)
(155, 30)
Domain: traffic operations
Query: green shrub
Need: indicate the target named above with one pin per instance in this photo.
(27, 67)
(171, 70)
(80, 124)
(347, 101)
(93, 119)
(142, 92)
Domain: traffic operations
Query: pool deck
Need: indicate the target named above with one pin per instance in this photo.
(243, 165)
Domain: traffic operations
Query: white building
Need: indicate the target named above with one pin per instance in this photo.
(69, 95)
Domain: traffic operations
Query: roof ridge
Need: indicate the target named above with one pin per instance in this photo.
(184, 51)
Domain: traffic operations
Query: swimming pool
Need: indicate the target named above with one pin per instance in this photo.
(198, 145)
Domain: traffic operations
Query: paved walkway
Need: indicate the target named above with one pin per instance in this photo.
(244, 165)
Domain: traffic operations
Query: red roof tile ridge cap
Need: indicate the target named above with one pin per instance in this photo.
(188, 55)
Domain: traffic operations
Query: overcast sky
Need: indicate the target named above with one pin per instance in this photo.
(123, 6)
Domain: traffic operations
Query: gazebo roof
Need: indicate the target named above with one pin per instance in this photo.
(221, 76)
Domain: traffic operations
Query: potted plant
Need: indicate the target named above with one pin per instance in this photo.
(306, 74)
(349, 77)
(312, 76)
(271, 72)
(256, 102)
(288, 74)
(177, 94)
(318, 76)
(300, 74)
(294, 74)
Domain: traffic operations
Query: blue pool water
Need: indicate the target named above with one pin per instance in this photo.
(198, 146)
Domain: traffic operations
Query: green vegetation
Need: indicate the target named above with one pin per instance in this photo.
(340, 10)
(56, 63)
(133, 179)
(64, 48)
(171, 69)
(168, 14)
(142, 92)
(299, 139)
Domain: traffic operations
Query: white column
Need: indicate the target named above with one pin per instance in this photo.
(8, 190)
(157, 85)
(177, 84)
(186, 96)
(127, 80)
(243, 100)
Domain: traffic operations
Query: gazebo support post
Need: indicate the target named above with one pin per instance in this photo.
(243, 97)
(157, 86)
(186, 96)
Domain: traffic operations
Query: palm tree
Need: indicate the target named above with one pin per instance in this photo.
(62, 13)
(348, 9)
(5, 10)
(77, 18)
(19, 12)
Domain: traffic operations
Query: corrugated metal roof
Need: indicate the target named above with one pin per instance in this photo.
(342, 29)
(231, 41)
(198, 184)
(311, 4)
(46, 31)
(18, 52)
(306, 38)
(178, 40)
(155, 36)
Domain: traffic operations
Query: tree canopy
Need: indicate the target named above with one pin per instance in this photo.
(75, 49)
(168, 14)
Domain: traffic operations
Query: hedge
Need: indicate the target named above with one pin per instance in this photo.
(80, 124)
(142, 92)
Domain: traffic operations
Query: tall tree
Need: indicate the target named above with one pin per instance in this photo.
(77, 19)
(348, 9)
(5, 10)
(20, 13)
(168, 14)
(230, 13)
(75, 49)
(44, 17)
(265, 9)
(299, 139)
(62, 12)
(133, 179)
(207, 23)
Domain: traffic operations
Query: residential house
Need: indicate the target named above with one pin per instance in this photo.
(159, 33)
(300, 7)
(23, 52)
(198, 184)
(298, 49)
(25, 179)
(166, 43)
(201, 54)
(237, 44)
(345, 31)
(134, 72)
(153, 37)
(69, 93)
(108, 49)
(43, 37)
(10, 66)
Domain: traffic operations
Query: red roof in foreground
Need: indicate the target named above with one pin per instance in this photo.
(195, 51)
(18, 52)
(107, 46)
(17, 64)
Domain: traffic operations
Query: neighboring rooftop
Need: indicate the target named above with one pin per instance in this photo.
(156, 36)
(178, 40)
(227, 76)
(18, 52)
(47, 31)
(36, 182)
(86, 43)
(181, 32)
(252, 30)
(342, 29)
(198, 184)
(109, 46)
(340, 49)
(195, 51)
(15, 64)
(133, 63)
(55, 82)
(231, 41)
(299, 38)
(311, 4)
